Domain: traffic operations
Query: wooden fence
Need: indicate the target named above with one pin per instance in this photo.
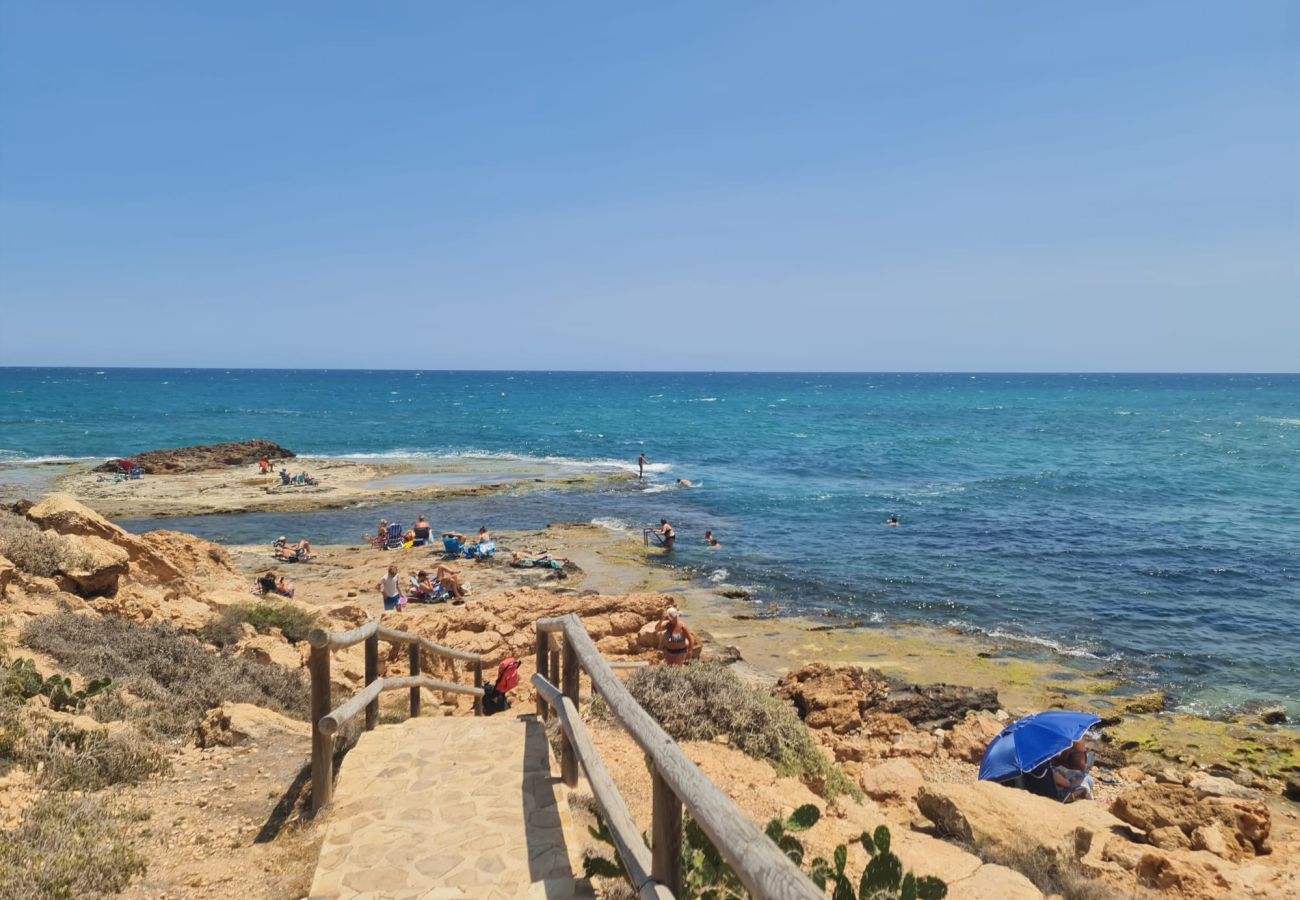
(763, 868)
(326, 722)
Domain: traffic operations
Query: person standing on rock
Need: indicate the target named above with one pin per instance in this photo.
(640, 466)
(678, 640)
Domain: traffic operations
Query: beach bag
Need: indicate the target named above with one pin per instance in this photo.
(494, 701)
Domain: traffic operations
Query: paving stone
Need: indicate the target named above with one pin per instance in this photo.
(448, 807)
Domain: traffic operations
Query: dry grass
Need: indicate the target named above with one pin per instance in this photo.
(707, 701)
(1043, 869)
(37, 552)
(72, 759)
(68, 847)
(177, 679)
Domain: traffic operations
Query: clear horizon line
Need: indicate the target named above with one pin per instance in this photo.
(548, 371)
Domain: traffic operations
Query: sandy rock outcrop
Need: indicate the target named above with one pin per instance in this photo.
(970, 737)
(893, 782)
(1178, 817)
(7, 570)
(1012, 822)
(163, 573)
(99, 565)
(860, 714)
(203, 458)
(233, 724)
(498, 626)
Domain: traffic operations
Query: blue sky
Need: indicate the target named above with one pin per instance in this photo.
(920, 186)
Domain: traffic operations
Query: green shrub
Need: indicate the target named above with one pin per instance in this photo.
(707, 701)
(73, 759)
(12, 729)
(173, 673)
(67, 847)
(38, 552)
(293, 621)
(20, 681)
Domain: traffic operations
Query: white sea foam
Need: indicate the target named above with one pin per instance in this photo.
(16, 458)
(1279, 420)
(612, 524)
(999, 634)
(718, 576)
(562, 462)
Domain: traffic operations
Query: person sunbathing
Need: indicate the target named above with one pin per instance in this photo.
(269, 584)
(299, 552)
(422, 530)
(450, 582)
(521, 560)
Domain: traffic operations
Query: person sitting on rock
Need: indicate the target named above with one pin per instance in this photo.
(1070, 773)
(269, 584)
(451, 583)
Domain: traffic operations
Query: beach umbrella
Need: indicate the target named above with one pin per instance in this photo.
(1026, 744)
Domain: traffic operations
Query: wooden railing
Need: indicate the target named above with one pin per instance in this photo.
(326, 722)
(676, 781)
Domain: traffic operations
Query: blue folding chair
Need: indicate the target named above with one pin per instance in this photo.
(394, 540)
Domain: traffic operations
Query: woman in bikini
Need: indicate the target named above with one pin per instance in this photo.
(678, 640)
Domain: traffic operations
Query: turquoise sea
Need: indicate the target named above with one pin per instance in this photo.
(1152, 521)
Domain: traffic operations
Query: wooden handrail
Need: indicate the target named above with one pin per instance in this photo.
(618, 818)
(348, 710)
(762, 867)
(325, 722)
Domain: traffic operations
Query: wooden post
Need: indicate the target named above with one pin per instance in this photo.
(478, 683)
(554, 675)
(666, 835)
(372, 672)
(413, 652)
(322, 745)
(543, 647)
(568, 757)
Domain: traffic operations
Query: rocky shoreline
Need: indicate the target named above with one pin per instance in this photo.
(1169, 818)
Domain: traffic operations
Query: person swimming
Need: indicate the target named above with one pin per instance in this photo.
(711, 540)
(892, 521)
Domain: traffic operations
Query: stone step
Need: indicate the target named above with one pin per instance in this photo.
(449, 807)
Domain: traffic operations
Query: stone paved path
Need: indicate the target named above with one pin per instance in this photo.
(449, 807)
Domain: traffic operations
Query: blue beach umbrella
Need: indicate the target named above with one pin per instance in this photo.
(1028, 743)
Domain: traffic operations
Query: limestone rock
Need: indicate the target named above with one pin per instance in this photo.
(101, 565)
(7, 570)
(64, 515)
(1213, 786)
(270, 648)
(1014, 822)
(1292, 789)
(1156, 807)
(969, 738)
(1181, 876)
(232, 724)
(204, 457)
(937, 705)
(895, 781)
(647, 636)
(835, 698)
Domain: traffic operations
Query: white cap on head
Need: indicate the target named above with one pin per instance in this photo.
(671, 612)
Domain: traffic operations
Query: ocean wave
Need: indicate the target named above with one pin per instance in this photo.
(718, 576)
(613, 524)
(597, 464)
(1279, 420)
(17, 458)
(1000, 634)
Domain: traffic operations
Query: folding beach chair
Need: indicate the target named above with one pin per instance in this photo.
(394, 540)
